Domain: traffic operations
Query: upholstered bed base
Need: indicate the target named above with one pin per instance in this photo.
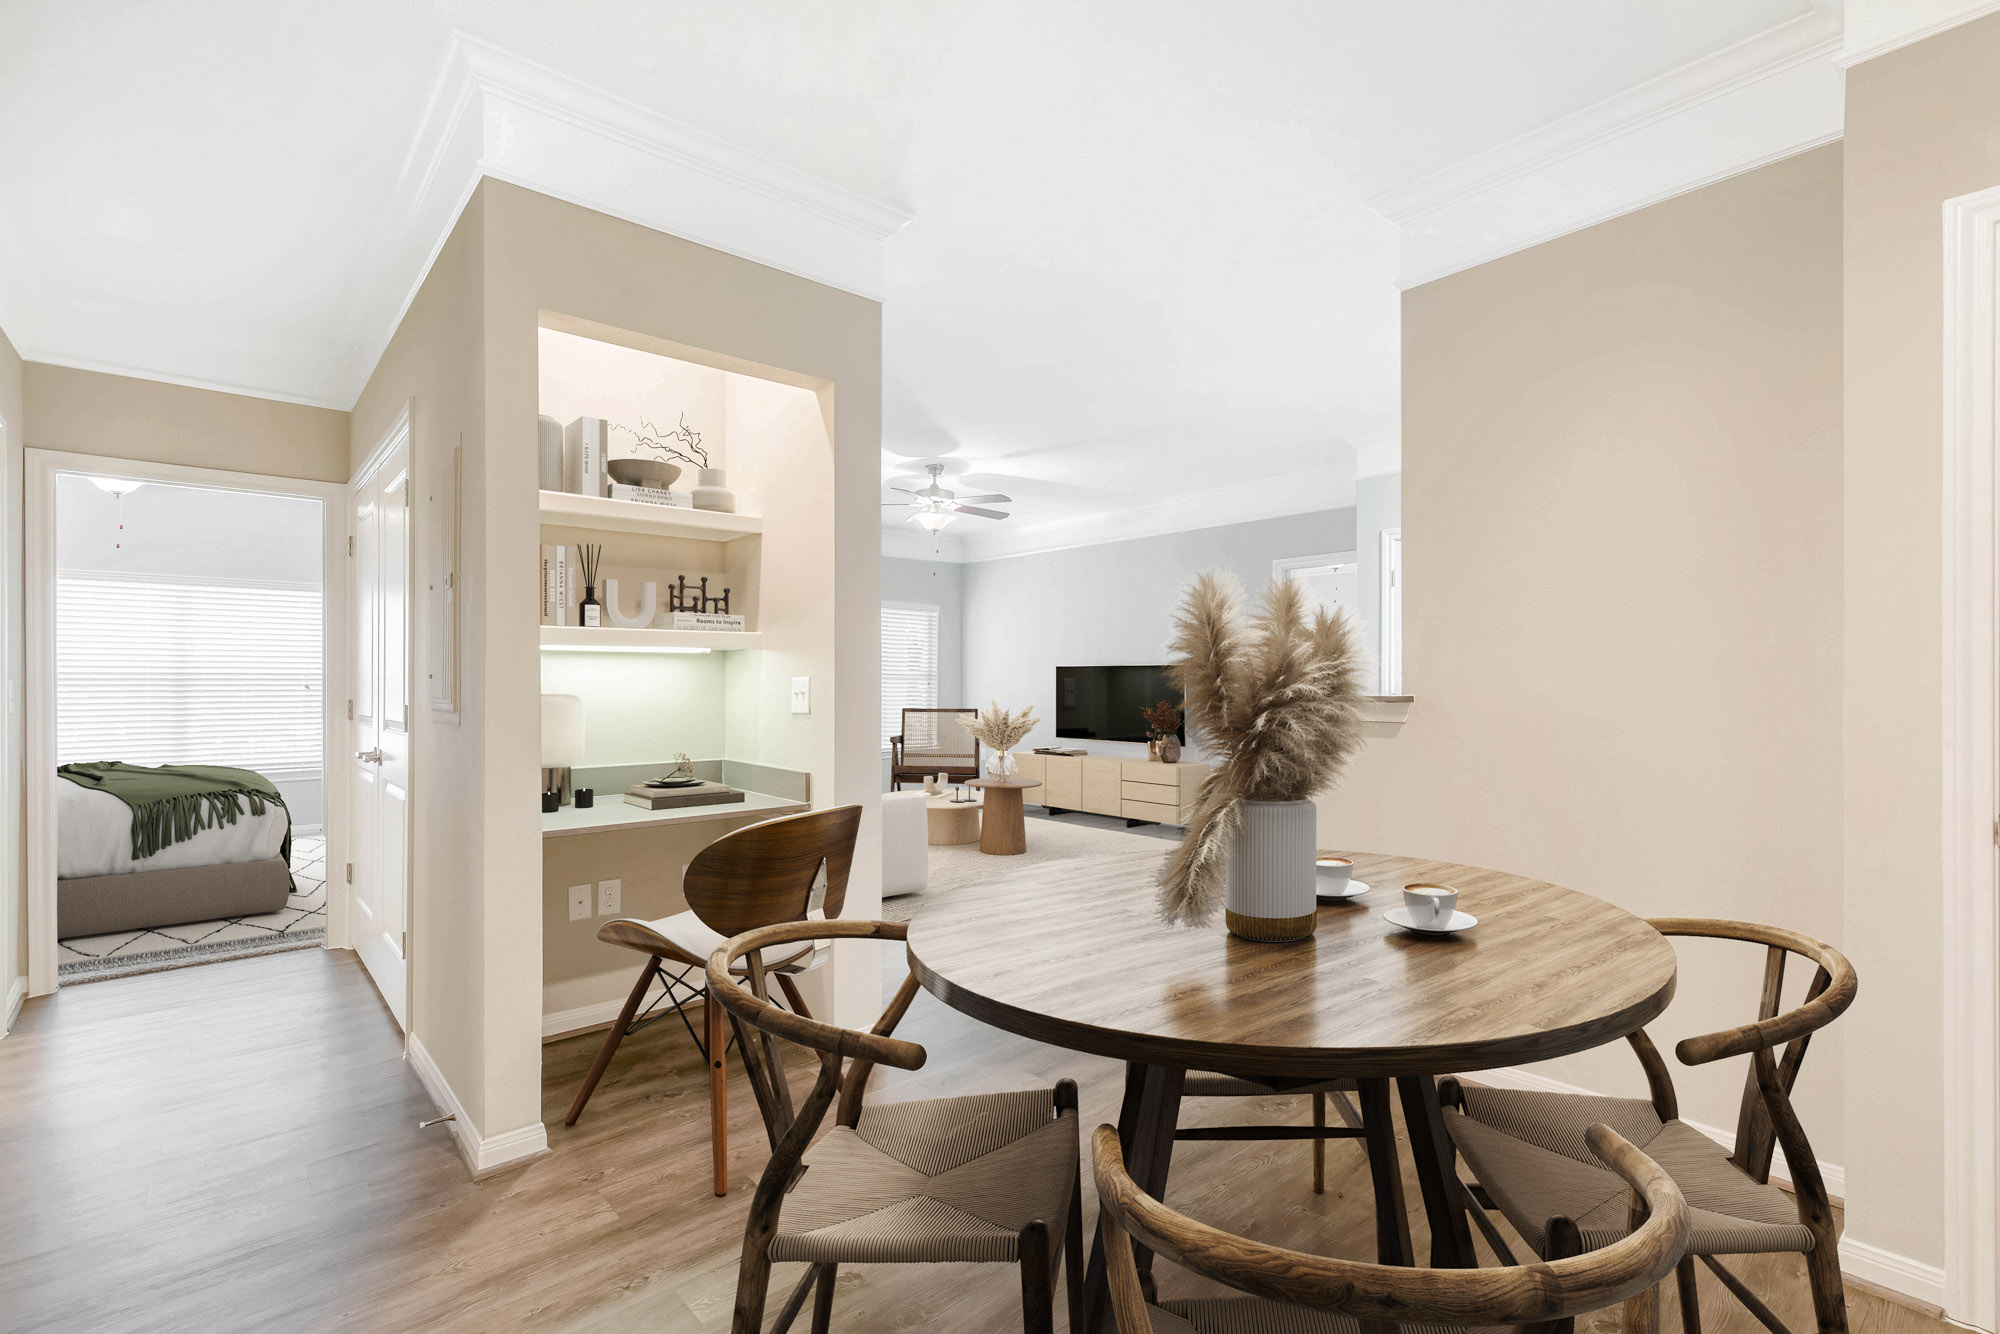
(98, 905)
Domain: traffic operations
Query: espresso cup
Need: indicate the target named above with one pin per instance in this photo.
(1336, 871)
(1430, 905)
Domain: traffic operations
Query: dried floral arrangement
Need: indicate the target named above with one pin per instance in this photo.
(999, 728)
(1274, 698)
(1163, 717)
(682, 443)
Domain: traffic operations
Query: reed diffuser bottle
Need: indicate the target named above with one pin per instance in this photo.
(589, 612)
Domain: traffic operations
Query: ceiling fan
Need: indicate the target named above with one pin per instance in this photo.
(933, 507)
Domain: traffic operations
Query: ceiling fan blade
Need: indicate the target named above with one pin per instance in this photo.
(995, 499)
(896, 503)
(904, 489)
(978, 513)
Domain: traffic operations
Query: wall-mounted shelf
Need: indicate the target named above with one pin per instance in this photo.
(614, 639)
(629, 516)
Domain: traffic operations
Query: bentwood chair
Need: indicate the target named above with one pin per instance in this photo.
(993, 1177)
(1207, 1084)
(1525, 1147)
(932, 742)
(755, 876)
(1299, 1293)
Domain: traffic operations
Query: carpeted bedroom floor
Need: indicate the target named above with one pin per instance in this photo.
(301, 922)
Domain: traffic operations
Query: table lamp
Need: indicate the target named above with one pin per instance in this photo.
(562, 745)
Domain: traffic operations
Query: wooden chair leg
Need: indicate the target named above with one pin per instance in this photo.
(612, 1039)
(1073, 1256)
(718, 1090)
(1038, 1312)
(1563, 1241)
(823, 1299)
(792, 996)
(1319, 1144)
(1829, 1292)
(1684, 1274)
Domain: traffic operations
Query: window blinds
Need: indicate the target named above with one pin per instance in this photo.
(909, 662)
(171, 673)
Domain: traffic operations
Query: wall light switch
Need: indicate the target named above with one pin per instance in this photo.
(579, 902)
(801, 694)
(607, 896)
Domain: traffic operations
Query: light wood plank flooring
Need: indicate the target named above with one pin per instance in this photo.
(234, 1148)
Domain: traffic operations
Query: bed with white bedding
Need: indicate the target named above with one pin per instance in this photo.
(220, 869)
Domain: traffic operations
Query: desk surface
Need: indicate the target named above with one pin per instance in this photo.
(614, 812)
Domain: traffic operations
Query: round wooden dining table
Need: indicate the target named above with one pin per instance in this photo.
(1075, 956)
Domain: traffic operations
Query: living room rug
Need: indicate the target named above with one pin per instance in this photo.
(1050, 839)
(297, 925)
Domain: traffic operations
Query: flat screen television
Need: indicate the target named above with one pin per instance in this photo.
(1107, 703)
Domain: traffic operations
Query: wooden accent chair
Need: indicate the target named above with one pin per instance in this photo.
(993, 1177)
(755, 876)
(932, 742)
(1525, 1147)
(1297, 1293)
(1206, 1084)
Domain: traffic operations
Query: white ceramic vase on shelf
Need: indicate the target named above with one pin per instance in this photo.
(712, 491)
(1268, 888)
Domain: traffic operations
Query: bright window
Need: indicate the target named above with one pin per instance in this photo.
(909, 662)
(179, 673)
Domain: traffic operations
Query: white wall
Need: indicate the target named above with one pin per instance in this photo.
(1110, 604)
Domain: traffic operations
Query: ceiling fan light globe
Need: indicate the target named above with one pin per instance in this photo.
(932, 520)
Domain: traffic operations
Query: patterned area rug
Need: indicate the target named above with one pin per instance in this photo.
(1050, 839)
(300, 923)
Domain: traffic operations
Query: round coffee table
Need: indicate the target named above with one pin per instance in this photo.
(1004, 830)
(952, 822)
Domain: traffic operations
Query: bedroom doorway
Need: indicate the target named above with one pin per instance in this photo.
(179, 673)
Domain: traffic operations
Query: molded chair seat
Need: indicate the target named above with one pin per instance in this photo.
(952, 1179)
(687, 940)
(1526, 1148)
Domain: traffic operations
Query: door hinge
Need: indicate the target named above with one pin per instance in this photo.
(350, 544)
(350, 710)
(1996, 831)
(405, 949)
(350, 873)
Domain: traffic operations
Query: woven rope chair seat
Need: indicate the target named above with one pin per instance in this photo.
(1254, 1315)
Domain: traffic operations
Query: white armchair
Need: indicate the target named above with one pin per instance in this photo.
(905, 844)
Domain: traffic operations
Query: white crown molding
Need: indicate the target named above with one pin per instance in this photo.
(1905, 24)
(1377, 452)
(493, 113)
(1765, 98)
(48, 357)
(1246, 502)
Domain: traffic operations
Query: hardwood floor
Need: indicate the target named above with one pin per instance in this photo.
(234, 1148)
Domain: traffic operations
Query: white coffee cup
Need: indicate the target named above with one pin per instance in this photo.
(1335, 871)
(1430, 905)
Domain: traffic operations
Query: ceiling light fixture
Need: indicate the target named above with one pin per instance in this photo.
(117, 486)
(934, 520)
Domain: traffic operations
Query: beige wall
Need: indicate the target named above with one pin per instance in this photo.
(1622, 518)
(13, 841)
(1923, 126)
(117, 416)
(433, 366)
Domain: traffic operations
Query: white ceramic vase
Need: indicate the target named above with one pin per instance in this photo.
(1268, 888)
(712, 491)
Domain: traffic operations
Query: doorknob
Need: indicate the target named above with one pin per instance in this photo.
(371, 756)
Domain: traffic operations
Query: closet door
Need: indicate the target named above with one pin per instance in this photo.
(381, 731)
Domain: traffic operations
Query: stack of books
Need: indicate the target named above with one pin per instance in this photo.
(652, 495)
(666, 798)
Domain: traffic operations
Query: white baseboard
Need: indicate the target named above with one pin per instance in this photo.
(1895, 1273)
(1898, 1274)
(557, 1023)
(16, 993)
(482, 1154)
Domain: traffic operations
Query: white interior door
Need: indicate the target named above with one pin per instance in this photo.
(381, 765)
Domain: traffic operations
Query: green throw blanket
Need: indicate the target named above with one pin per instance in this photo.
(175, 802)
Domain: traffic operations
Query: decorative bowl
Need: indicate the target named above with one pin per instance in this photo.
(643, 472)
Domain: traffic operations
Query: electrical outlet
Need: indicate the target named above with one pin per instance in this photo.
(801, 694)
(579, 902)
(607, 896)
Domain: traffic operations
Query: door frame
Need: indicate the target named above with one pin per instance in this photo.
(39, 669)
(401, 434)
(1971, 746)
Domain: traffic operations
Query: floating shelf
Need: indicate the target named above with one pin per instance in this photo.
(613, 639)
(630, 516)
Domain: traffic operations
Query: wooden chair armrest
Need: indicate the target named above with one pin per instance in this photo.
(1814, 1014)
(878, 1048)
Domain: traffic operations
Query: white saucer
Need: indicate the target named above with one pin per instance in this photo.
(1355, 889)
(1459, 921)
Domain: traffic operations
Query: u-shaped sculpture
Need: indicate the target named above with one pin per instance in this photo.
(649, 599)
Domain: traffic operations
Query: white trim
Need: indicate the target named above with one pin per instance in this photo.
(39, 655)
(561, 1023)
(491, 112)
(17, 992)
(47, 357)
(1378, 451)
(1971, 748)
(1897, 38)
(1765, 98)
(483, 1154)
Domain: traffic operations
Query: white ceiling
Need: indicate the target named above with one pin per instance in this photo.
(1144, 269)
